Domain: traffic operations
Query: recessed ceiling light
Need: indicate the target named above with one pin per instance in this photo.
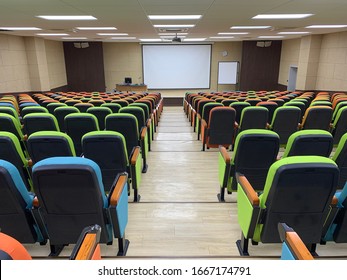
(112, 34)
(96, 28)
(74, 38)
(251, 27)
(68, 17)
(20, 28)
(293, 33)
(174, 17)
(52, 34)
(327, 26)
(270, 37)
(173, 25)
(233, 33)
(171, 36)
(281, 16)
(194, 39)
(123, 38)
(150, 40)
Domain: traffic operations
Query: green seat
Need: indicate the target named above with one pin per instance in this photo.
(100, 113)
(126, 124)
(285, 122)
(254, 152)
(11, 124)
(11, 151)
(33, 109)
(239, 106)
(52, 106)
(9, 110)
(108, 150)
(339, 125)
(113, 106)
(78, 124)
(340, 157)
(309, 142)
(34, 122)
(83, 107)
(298, 191)
(253, 117)
(45, 144)
(61, 112)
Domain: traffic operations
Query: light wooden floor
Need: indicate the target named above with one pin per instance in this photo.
(179, 214)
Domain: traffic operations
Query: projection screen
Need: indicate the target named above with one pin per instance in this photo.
(176, 66)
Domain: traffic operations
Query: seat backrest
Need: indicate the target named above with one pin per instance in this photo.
(52, 106)
(11, 124)
(16, 202)
(285, 122)
(121, 102)
(239, 106)
(207, 109)
(270, 106)
(298, 192)
(78, 124)
(339, 127)
(142, 106)
(255, 151)
(317, 117)
(138, 113)
(108, 150)
(34, 122)
(61, 112)
(298, 104)
(83, 107)
(10, 111)
(340, 157)
(309, 142)
(253, 117)
(12, 249)
(126, 124)
(221, 125)
(113, 106)
(200, 105)
(71, 196)
(100, 113)
(11, 151)
(33, 109)
(45, 144)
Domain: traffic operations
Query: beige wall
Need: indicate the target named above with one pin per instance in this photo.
(289, 57)
(30, 64)
(332, 67)
(14, 71)
(55, 63)
(125, 59)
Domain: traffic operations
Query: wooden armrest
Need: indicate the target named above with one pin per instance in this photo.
(87, 247)
(334, 201)
(223, 151)
(143, 133)
(203, 123)
(30, 163)
(236, 125)
(117, 189)
(25, 137)
(248, 189)
(135, 154)
(148, 123)
(298, 247)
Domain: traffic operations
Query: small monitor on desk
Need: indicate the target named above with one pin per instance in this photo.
(127, 80)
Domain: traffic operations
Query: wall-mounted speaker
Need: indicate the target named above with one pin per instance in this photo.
(263, 44)
(81, 45)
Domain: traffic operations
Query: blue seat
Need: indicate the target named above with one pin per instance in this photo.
(18, 216)
(72, 197)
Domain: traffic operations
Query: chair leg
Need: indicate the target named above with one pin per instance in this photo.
(221, 195)
(137, 197)
(242, 245)
(56, 250)
(312, 248)
(123, 245)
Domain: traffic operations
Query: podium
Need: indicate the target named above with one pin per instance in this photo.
(131, 87)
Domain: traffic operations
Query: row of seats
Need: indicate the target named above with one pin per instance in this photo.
(219, 126)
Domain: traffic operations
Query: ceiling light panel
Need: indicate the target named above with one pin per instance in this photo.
(112, 34)
(96, 28)
(281, 16)
(54, 17)
(173, 25)
(173, 17)
(327, 26)
(52, 34)
(251, 27)
(20, 28)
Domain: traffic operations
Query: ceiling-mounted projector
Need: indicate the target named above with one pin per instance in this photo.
(176, 39)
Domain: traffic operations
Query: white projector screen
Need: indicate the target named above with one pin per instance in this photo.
(176, 66)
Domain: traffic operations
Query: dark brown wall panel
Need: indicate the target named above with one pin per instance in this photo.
(85, 67)
(260, 66)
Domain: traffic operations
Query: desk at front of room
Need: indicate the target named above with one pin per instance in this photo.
(131, 87)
